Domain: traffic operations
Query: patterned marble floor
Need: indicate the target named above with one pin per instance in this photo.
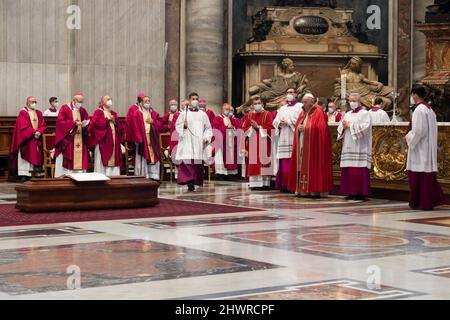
(294, 249)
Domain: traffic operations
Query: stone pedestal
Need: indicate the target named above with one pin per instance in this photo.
(204, 52)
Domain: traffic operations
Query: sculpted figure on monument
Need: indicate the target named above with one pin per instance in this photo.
(357, 82)
(273, 90)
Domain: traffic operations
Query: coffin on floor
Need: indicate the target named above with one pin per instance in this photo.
(50, 195)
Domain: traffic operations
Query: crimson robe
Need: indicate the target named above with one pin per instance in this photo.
(167, 124)
(316, 172)
(65, 136)
(23, 140)
(211, 116)
(218, 124)
(138, 135)
(127, 126)
(265, 120)
(101, 134)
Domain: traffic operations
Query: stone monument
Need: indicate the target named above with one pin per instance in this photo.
(318, 39)
(273, 90)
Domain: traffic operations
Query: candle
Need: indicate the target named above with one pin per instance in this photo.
(343, 86)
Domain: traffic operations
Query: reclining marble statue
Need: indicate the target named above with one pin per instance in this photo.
(358, 83)
(273, 90)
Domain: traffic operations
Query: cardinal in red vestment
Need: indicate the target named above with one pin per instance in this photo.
(226, 127)
(211, 115)
(26, 151)
(311, 173)
(257, 127)
(104, 138)
(72, 130)
(144, 132)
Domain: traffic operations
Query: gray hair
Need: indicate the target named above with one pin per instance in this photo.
(356, 95)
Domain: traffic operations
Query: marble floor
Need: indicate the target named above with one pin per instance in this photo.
(291, 249)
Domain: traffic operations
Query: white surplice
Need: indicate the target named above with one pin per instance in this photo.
(422, 141)
(357, 146)
(191, 144)
(285, 134)
(379, 116)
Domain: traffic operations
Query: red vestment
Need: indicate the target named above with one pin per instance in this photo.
(126, 128)
(227, 146)
(138, 134)
(101, 134)
(169, 121)
(65, 137)
(24, 140)
(265, 120)
(311, 166)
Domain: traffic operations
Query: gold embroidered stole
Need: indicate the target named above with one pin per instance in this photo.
(77, 143)
(112, 160)
(148, 129)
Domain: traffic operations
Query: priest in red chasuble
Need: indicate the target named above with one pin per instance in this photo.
(26, 147)
(257, 127)
(104, 138)
(311, 173)
(72, 128)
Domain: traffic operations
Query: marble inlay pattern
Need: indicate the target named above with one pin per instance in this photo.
(328, 290)
(440, 271)
(34, 270)
(44, 233)
(440, 221)
(348, 242)
(216, 221)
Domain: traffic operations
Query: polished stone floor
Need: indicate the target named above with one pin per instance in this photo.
(292, 249)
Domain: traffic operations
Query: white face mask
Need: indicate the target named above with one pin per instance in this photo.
(147, 106)
(56, 105)
(109, 103)
(258, 108)
(194, 104)
(330, 110)
(78, 105)
(354, 105)
(173, 108)
(290, 97)
(412, 102)
(33, 106)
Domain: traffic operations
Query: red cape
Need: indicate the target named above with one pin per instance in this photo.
(65, 134)
(218, 124)
(166, 125)
(101, 134)
(317, 165)
(128, 120)
(23, 140)
(137, 134)
(265, 120)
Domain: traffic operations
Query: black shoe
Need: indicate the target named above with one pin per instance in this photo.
(191, 187)
(360, 198)
(350, 198)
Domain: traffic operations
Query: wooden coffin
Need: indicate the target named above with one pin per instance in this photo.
(50, 195)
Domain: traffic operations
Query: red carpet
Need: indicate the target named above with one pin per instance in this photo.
(10, 216)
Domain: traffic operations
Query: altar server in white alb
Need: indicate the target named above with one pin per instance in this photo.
(426, 193)
(378, 115)
(195, 134)
(284, 125)
(356, 158)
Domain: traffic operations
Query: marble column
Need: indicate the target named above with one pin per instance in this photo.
(172, 76)
(419, 44)
(204, 50)
(404, 55)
